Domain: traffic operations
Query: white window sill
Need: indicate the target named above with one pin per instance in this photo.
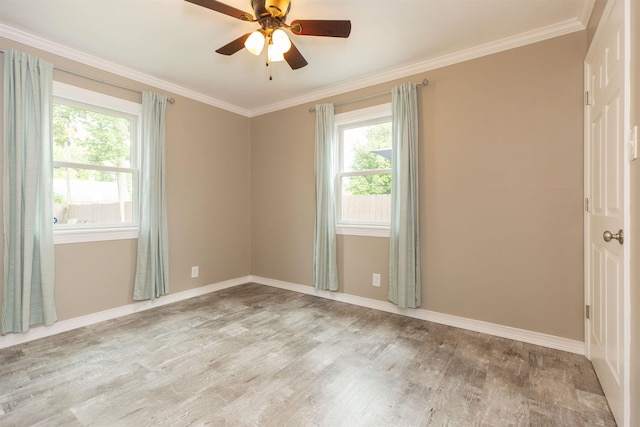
(363, 230)
(61, 237)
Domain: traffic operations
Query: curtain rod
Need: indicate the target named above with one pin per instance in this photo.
(85, 76)
(424, 82)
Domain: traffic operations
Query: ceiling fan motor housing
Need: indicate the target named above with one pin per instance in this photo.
(273, 8)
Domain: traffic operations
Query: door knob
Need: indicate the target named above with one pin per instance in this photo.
(608, 236)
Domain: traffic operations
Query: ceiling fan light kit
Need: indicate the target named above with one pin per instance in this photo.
(271, 15)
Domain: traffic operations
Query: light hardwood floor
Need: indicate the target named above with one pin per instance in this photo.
(255, 355)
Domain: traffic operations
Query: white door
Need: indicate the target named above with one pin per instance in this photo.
(607, 217)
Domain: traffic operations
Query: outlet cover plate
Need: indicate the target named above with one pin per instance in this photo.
(376, 280)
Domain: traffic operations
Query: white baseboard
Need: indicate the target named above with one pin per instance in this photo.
(90, 319)
(530, 337)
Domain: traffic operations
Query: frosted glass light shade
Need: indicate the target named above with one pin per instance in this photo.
(255, 42)
(281, 41)
(274, 54)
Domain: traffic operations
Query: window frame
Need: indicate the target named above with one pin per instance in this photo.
(77, 97)
(353, 119)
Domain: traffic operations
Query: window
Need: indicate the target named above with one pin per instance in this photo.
(363, 182)
(95, 168)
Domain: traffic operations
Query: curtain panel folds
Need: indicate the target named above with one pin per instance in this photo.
(152, 265)
(325, 260)
(404, 242)
(28, 291)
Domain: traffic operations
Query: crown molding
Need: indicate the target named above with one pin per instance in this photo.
(584, 14)
(93, 61)
(522, 39)
(519, 40)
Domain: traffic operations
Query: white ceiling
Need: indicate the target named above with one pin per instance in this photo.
(171, 43)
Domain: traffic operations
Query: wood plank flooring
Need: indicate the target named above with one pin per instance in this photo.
(254, 355)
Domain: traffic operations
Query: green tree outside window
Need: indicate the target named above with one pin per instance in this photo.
(377, 137)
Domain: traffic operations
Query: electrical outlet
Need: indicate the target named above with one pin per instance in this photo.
(376, 280)
(194, 271)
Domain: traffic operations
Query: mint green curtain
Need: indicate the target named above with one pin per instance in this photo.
(325, 260)
(152, 266)
(28, 196)
(404, 242)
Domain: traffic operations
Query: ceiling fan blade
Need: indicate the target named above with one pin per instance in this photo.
(234, 46)
(294, 58)
(223, 8)
(318, 27)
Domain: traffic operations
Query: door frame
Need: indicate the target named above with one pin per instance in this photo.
(626, 303)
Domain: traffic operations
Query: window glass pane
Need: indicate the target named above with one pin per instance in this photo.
(366, 198)
(85, 196)
(367, 147)
(90, 137)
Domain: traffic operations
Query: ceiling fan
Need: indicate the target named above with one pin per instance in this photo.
(271, 15)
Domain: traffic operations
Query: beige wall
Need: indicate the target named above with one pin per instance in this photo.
(282, 195)
(501, 200)
(503, 175)
(501, 149)
(635, 219)
(208, 192)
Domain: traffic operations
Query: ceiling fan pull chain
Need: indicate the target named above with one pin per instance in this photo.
(266, 64)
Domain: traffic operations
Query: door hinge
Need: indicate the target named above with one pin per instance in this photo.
(587, 98)
(587, 311)
(586, 204)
